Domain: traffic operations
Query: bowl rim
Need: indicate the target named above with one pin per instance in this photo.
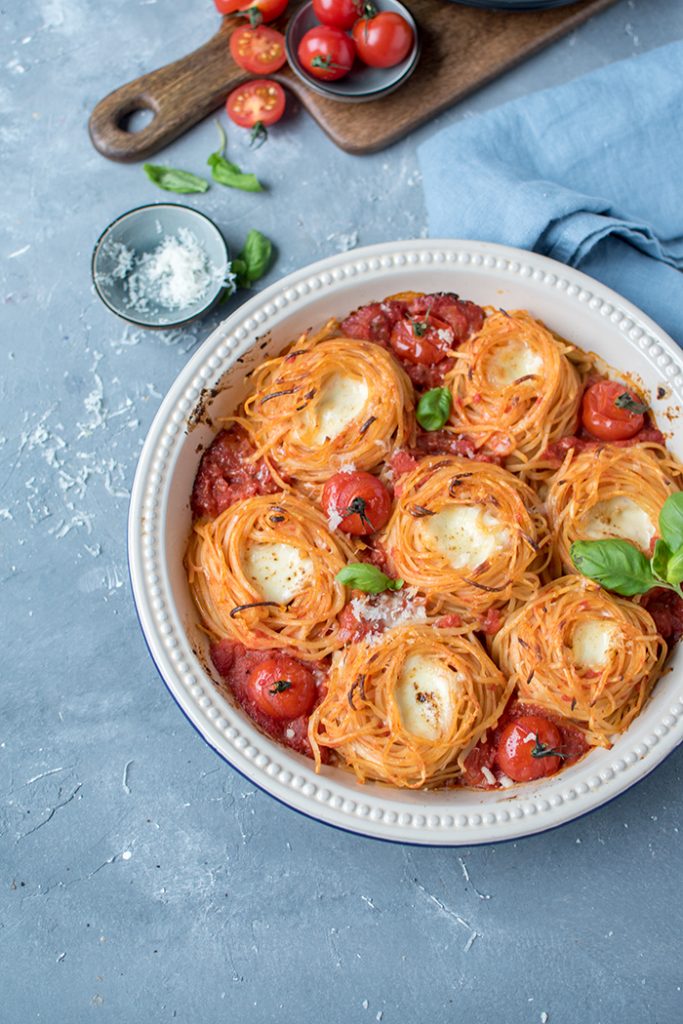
(288, 777)
(326, 89)
(172, 325)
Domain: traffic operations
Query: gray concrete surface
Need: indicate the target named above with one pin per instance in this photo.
(141, 879)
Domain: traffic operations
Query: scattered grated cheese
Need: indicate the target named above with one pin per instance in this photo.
(348, 467)
(505, 781)
(489, 776)
(445, 334)
(334, 519)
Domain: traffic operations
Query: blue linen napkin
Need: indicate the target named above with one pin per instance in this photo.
(590, 173)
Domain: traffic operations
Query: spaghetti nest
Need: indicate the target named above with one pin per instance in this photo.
(516, 388)
(362, 715)
(469, 535)
(582, 654)
(263, 573)
(609, 492)
(329, 402)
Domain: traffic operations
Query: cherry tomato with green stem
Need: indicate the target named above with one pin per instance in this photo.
(611, 412)
(326, 53)
(383, 40)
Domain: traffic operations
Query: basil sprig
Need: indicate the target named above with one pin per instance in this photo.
(434, 408)
(254, 259)
(619, 566)
(173, 180)
(366, 577)
(226, 173)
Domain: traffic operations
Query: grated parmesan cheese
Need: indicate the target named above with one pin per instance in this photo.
(505, 781)
(445, 335)
(175, 275)
(489, 776)
(347, 467)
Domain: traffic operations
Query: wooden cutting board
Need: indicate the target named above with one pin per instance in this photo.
(462, 49)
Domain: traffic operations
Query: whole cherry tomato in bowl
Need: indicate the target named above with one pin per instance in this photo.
(337, 13)
(383, 40)
(326, 53)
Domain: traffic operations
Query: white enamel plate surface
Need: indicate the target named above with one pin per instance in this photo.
(577, 307)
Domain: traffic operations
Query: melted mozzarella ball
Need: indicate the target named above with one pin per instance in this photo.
(592, 642)
(341, 400)
(511, 362)
(619, 517)
(466, 535)
(425, 693)
(279, 571)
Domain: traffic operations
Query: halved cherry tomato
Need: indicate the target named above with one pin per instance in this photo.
(337, 13)
(282, 687)
(422, 338)
(528, 748)
(383, 40)
(611, 412)
(326, 53)
(260, 50)
(260, 100)
(361, 500)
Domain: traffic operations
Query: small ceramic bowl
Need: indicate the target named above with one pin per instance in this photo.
(363, 83)
(140, 231)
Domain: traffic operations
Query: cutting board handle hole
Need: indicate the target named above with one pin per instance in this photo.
(137, 115)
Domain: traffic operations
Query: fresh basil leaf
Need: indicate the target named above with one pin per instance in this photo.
(254, 259)
(671, 521)
(630, 402)
(229, 174)
(434, 408)
(674, 570)
(173, 180)
(660, 560)
(368, 578)
(614, 564)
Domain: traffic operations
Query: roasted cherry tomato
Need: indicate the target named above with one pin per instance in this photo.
(228, 6)
(361, 500)
(326, 53)
(383, 40)
(529, 748)
(282, 687)
(422, 338)
(611, 412)
(337, 13)
(260, 50)
(260, 100)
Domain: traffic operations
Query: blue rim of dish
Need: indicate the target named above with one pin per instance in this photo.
(327, 89)
(171, 325)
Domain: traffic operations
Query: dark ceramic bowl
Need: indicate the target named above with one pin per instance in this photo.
(362, 83)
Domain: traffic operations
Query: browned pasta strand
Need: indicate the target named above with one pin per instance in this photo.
(516, 418)
(509, 576)
(229, 601)
(361, 720)
(535, 648)
(285, 415)
(645, 474)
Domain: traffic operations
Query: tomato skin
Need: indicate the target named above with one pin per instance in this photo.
(259, 11)
(259, 50)
(259, 100)
(326, 53)
(345, 491)
(265, 687)
(336, 13)
(384, 40)
(228, 6)
(603, 418)
(516, 742)
(421, 339)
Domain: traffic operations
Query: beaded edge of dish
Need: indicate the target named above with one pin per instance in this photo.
(361, 814)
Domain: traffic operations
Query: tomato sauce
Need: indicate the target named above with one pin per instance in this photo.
(583, 442)
(228, 474)
(376, 321)
(235, 663)
(484, 756)
(666, 608)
